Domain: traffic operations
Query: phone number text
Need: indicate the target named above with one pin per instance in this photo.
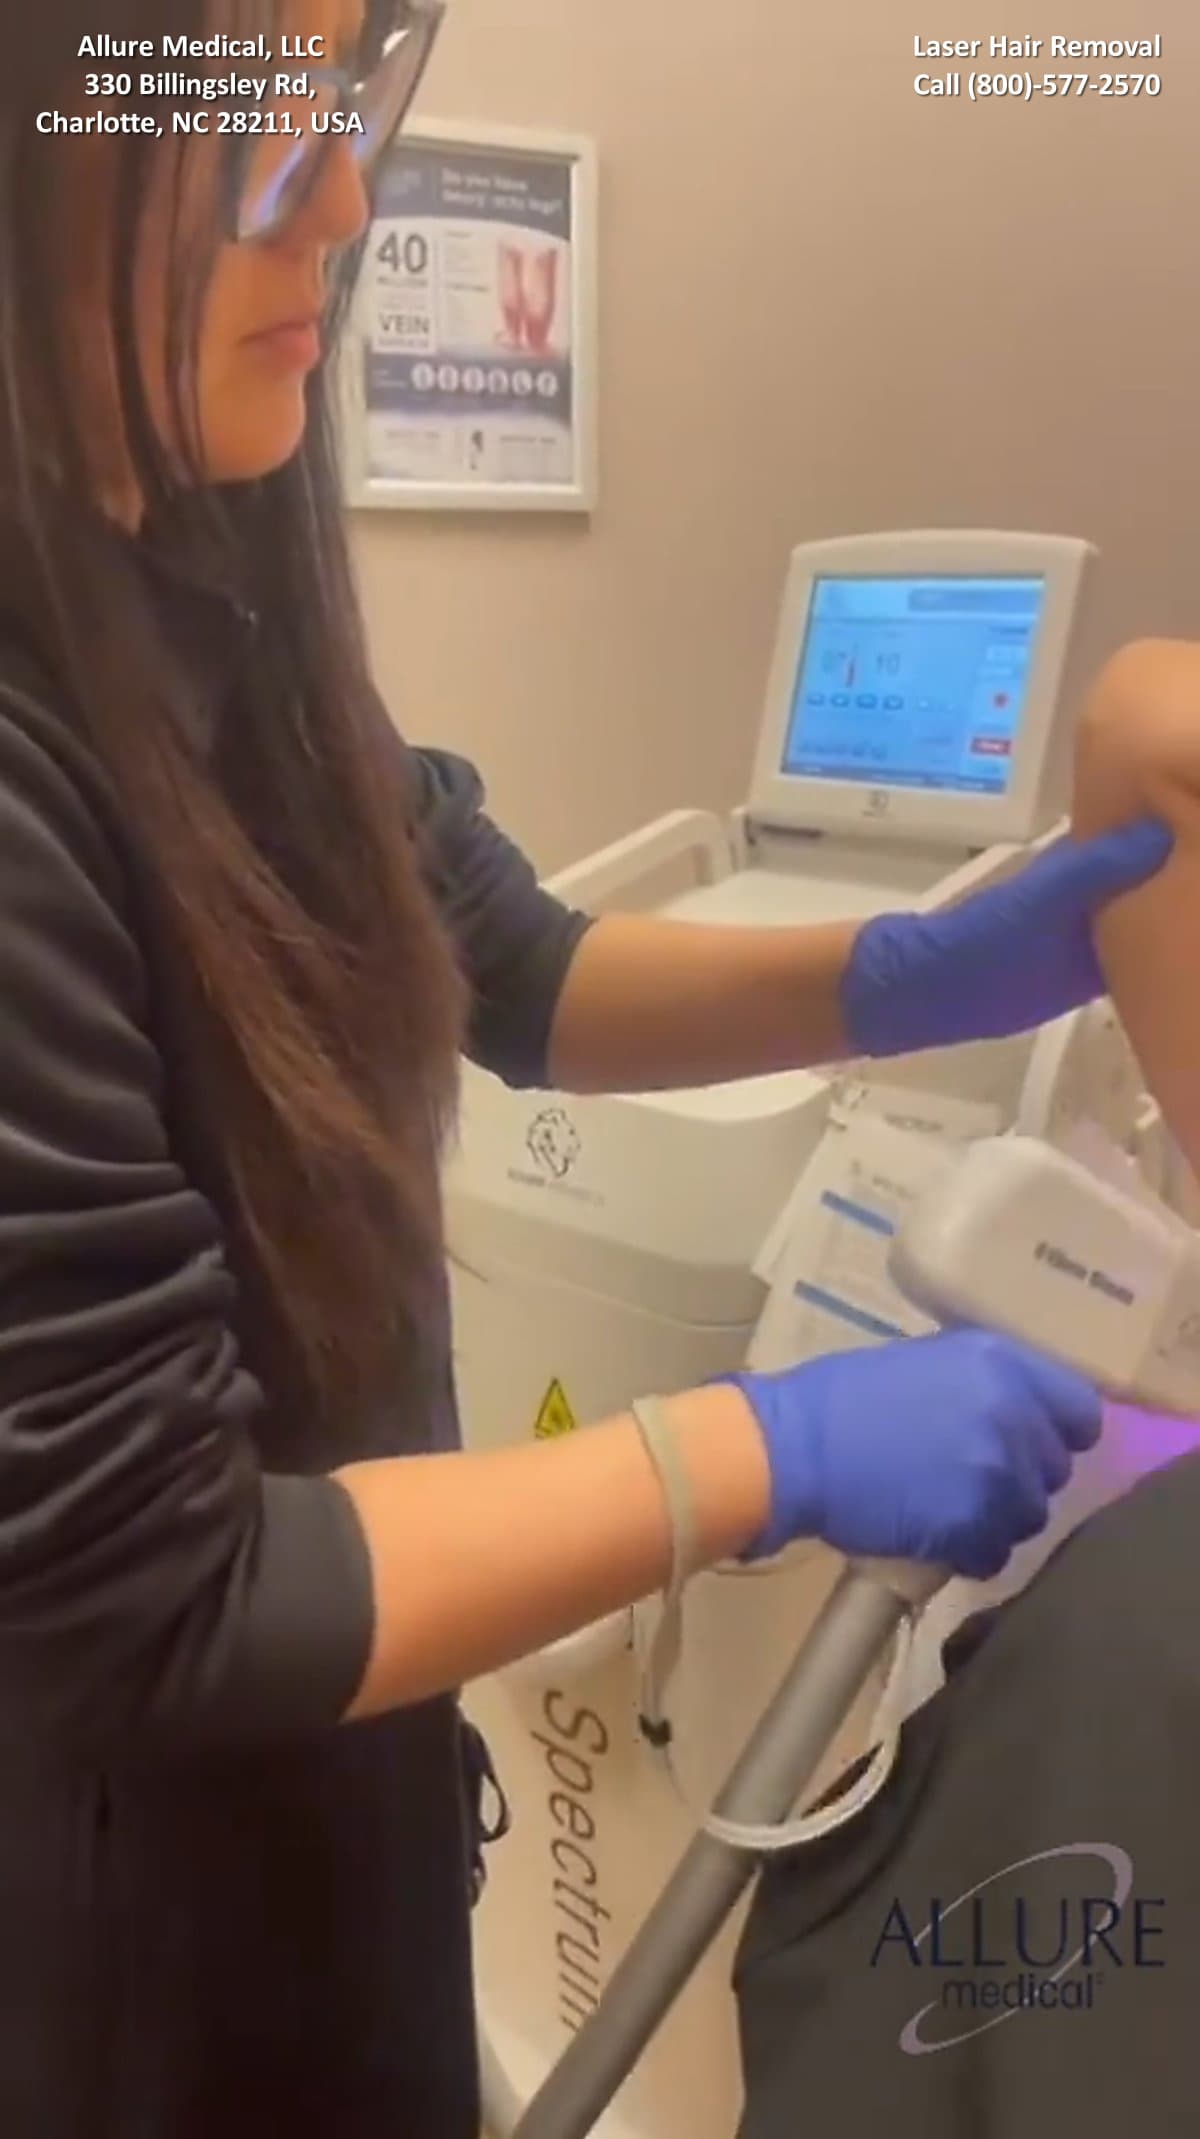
(1025, 87)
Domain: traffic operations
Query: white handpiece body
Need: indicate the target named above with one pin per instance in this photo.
(1017, 1237)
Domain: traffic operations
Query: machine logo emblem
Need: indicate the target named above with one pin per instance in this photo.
(553, 1142)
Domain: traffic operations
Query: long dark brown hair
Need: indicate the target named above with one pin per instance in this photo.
(330, 1006)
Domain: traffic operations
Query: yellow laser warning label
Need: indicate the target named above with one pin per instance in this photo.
(555, 1416)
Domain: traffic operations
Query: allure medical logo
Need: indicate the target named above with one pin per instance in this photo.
(1045, 1935)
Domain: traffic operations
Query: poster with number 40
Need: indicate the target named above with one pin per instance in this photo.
(470, 357)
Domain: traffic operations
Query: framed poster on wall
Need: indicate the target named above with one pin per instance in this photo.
(469, 362)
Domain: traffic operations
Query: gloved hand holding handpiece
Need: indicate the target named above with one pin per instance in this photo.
(946, 1450)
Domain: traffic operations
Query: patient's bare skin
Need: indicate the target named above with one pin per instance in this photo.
(1138, 754)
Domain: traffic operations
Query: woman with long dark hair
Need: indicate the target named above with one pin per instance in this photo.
(245, 934)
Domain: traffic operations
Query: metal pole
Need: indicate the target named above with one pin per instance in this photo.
(814, 1700)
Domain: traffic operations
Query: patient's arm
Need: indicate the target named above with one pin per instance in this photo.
(1138, 754)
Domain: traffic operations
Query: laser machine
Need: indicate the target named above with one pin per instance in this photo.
(914, 745)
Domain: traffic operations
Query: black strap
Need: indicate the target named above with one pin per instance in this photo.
(488, 1816)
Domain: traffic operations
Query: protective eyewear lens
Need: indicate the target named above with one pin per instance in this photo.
(275, 172)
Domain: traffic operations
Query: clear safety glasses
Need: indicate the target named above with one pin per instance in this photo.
(276, 163)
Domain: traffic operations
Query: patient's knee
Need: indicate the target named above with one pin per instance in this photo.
(1137, 746)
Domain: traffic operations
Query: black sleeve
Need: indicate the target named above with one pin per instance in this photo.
(515, 940)
(155, 1588)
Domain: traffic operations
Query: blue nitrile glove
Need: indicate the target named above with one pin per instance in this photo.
(943, 1449)
(1006, 960)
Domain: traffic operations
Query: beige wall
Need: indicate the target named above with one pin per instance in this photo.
(827, 305)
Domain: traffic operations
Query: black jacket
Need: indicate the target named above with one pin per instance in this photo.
(219, 1913)
(1003, 1946)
